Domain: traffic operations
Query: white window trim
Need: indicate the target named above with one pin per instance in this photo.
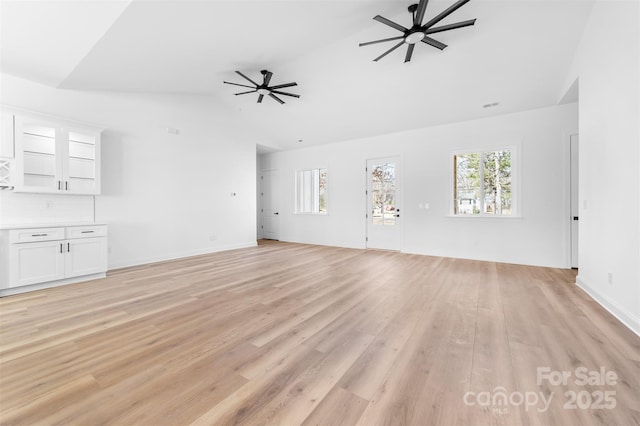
(515, 182)
(296, 193)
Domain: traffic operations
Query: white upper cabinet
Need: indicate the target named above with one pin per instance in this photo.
(54, 156)
(81, 161)
(6, 136)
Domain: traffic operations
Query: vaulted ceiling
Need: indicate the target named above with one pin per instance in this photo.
(517, 54)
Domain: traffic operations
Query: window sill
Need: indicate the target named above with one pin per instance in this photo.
(475, 217)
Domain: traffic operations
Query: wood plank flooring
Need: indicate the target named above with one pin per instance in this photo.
(295, 334)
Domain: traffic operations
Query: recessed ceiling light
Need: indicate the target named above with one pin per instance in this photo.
(300, 141)
(493, 104)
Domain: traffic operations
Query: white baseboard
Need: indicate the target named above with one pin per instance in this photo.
(631, 321)
(49, 284)
(180, 255)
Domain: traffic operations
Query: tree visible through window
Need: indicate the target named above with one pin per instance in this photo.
(483, 183)
(383, 194)
(311, 191)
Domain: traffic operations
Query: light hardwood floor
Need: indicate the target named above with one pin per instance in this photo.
(298, 334)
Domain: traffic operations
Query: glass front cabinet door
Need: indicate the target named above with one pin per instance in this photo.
(54, 156)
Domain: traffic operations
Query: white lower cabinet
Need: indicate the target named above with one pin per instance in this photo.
(32, 263)
(85, 256)
(52, 256)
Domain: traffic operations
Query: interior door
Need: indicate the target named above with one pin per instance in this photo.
(574, 201)
(269, 207)
(383, 204)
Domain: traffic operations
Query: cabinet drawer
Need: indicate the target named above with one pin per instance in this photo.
(87, 231)
(35, 234)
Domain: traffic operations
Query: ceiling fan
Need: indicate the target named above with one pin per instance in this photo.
(419, 32)
(264, 88)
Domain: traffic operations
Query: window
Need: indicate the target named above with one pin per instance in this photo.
(483, 184)
(311, 191)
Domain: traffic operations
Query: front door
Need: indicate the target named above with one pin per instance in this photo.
(383, 204)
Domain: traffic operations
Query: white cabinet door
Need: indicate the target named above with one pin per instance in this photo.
(85, 256)
(81, 161)
(38, 163)
(6, 135)
(33, 263)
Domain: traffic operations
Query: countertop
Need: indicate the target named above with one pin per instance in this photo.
(47, 225)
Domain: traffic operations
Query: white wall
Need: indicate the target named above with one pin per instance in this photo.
(607, 67)
(37, 209)
(539, 237)
(163, 196)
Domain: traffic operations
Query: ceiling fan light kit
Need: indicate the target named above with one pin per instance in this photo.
(418, 31)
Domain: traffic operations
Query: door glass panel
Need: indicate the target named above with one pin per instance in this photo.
(383, 194)
(81, 172)
(39, 155)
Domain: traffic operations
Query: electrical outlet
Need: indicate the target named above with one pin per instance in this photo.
(610, 277)
(48, 204)
(109, 250)
(213, 237)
